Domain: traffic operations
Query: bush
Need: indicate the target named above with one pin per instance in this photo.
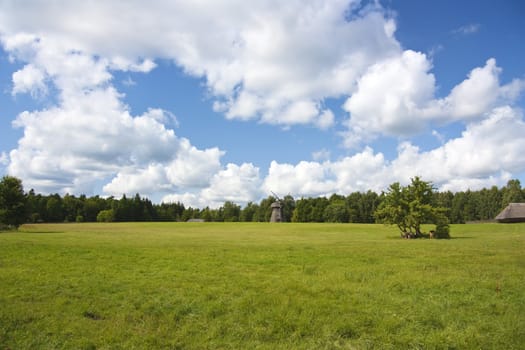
(442, 231)
(106, 216)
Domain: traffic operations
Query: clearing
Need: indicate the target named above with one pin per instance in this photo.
(258, 285)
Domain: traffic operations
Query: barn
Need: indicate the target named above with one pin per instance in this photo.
(514, 212)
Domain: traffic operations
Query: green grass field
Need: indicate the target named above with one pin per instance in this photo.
(260, 286)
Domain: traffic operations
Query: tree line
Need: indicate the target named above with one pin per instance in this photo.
(356, 207)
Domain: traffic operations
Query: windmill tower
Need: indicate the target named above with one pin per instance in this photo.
(277, 210)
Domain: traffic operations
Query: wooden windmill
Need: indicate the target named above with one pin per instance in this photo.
(277, 210)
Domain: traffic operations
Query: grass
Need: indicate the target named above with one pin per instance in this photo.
(260, 286)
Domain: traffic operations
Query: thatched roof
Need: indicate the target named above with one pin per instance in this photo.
(514, 212)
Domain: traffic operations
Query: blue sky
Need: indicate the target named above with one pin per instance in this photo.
(212, 101)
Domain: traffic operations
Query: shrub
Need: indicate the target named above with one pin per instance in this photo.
(106, 216)
(442, 231)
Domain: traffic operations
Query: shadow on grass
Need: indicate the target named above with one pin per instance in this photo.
(427, 239)
(40, 231)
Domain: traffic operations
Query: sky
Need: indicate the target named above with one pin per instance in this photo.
(204, 102)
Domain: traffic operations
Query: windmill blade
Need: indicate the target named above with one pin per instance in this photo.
(276, 196)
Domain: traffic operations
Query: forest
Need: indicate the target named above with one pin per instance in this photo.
(356, 207)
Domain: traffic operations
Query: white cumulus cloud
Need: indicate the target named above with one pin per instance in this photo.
(239, 184)
(396, 97)
(271, 61)
(193, 168)
(91, 137)
(235, 183)
(484, 155)
(390, 96)
(29, 79)
(477, 94)
(151, 179)
(268, 60)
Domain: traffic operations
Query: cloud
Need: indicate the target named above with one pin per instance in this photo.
(291, 61)
(189, 199)
(268, 61)
(396, 97)
(235, 183)
(438, 136)
(360, 172)
(193, 168)
(488, 147)
(265, 60)
(29, 80)
(92, 136)
(467, 29)
(477, 94)
(129, 82)
(305, 179)
(124, 64)
(151, 179)
(389, 98)
(4, 158)
(50, 60)
(486, 153)
(320, 155)
(189, 169)
(244, 183)
(240, 184)
(258, 63)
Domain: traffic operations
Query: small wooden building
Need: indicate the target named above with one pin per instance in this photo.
(514, 212)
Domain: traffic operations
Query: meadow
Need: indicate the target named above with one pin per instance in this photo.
(260, 286)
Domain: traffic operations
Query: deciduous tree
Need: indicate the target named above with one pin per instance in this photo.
(12, 201)
(410, 207)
